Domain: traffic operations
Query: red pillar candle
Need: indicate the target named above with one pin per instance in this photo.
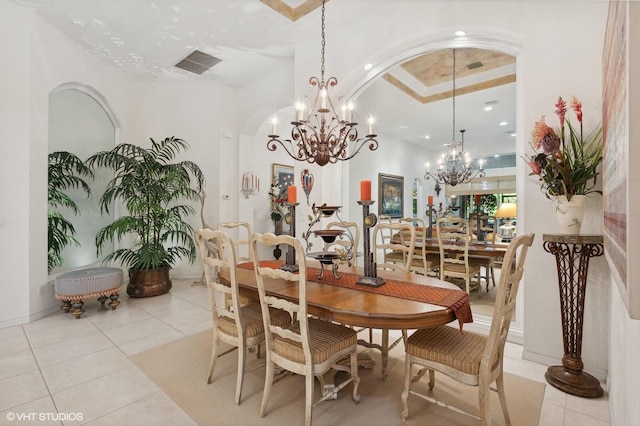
(292, 194)
(430, 202)
(478, 199)
(365, 190)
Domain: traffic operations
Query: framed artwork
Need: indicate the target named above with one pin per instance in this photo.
(391, 195)
(615, 167)
(282, 177)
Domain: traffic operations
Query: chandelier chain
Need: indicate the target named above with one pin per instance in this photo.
(322, 47)
(453, 136)
(455, 167)
(322, 135)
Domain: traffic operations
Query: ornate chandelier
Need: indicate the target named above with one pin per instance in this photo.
(323, 136)
(454, 167)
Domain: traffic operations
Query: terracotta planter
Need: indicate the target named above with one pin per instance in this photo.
(148, 283)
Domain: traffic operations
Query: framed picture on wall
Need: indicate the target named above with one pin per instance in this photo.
(391, 195)
(282, 177)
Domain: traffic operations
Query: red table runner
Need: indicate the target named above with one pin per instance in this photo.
(456, 300)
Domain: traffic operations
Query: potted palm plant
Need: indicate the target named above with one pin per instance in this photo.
(153, 190)
(65, 171)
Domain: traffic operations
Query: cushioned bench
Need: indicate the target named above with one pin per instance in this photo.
(75, 286)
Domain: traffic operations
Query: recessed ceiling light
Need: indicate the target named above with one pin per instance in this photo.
(460, 33)
(488, 108)
(503, 123)
(427, 137)
(496, 155)
(513, 135)
(367, 67)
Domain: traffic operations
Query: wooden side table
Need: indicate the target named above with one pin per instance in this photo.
(572, 254)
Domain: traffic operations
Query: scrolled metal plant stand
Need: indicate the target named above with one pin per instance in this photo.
(573, 253)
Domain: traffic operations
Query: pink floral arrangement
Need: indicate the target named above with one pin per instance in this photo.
(565, 166)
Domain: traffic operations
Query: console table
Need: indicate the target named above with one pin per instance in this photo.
(572, 254)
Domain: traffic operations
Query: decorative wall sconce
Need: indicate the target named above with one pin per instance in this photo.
(250, 184)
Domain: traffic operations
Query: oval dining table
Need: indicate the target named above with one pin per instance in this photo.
(360, 306)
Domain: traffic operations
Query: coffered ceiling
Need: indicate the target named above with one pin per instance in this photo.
(147, 38)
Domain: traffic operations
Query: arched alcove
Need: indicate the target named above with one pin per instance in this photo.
(81, 122)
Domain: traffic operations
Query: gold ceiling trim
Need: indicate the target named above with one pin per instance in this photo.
(291, 13)
(447, 94)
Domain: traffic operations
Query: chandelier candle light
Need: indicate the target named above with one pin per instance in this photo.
(323, 136)
(455, 166)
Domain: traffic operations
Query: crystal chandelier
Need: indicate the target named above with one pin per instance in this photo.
(454, 167)
(323, 136)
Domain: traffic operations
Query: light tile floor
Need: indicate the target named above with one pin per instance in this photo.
(57, 369)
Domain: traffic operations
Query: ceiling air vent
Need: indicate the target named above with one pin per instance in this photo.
(198, 62)
(475, 65)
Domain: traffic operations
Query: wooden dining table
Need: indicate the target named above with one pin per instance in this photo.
(476, 248)
(363, 306)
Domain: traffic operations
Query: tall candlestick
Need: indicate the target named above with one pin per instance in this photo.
(430, 202)
(371, 121)
(365, 190)
(274, 121)
(292, 194)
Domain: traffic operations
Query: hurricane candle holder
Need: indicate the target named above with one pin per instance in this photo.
(290, 264)
(430, 215)
(369, 220)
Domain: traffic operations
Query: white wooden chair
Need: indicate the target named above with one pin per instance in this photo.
(345, 244)
(310, 346)
(239, 326)
(396, 255)
(403, 248)
(468, 357)
(241, 241)
(453, 242)
(423, 262)
(239, 233)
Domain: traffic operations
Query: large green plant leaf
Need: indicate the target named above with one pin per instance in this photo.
(150, 186)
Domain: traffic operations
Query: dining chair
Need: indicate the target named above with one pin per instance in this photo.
(239, 233)
(396, 255)
(470, 358)
(347, 244)
(453, 242)
(241, 242)
(205, 225)
(310, 346)
(239, 326)
(385, 236)
(401, 261)
(423, 261)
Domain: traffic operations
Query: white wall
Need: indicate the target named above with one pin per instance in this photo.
(15, 118)
(204, 115)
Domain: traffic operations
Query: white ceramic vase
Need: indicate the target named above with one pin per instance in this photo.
(570, 214)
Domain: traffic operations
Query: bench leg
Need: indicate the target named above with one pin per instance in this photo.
(66, 306)
(78, 309)
(114, 301)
